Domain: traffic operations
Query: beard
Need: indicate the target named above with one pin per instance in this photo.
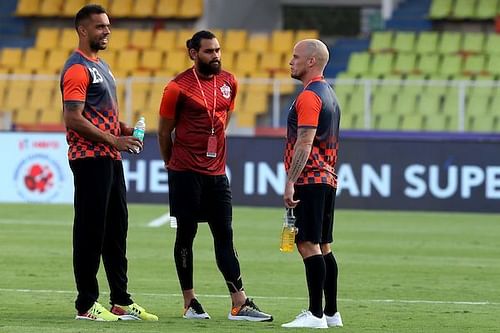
(96, 45)
(213, 67)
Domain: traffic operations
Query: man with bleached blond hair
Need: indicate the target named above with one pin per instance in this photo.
(310, 158)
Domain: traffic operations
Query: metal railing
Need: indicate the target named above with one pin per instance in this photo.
(347, 89)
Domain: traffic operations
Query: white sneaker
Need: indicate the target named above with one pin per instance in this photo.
(195, 311)
(335, 320)
(307, 319)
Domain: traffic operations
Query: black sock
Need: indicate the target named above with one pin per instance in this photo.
(332, 272)
(315, 276)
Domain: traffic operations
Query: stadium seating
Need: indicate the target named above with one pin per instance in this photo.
(161, 53)
(33, 59)
(464, 9)
(138, 9)
(141, 39)
(422, 57)
(70, 7)
(11, 58)
(27, 7)
(190, 9)
(51, 8)
(143, 9)
(167, 8)
(47, 38)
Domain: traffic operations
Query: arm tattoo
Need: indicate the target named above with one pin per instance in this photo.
(73, 106)
(301, 152)
(299, 160)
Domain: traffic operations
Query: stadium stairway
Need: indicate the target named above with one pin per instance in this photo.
(12, 29)
(341, 51)
(411, 15)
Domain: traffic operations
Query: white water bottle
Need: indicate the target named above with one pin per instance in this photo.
(139, 129)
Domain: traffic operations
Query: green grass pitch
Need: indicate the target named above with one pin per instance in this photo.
(399, 272)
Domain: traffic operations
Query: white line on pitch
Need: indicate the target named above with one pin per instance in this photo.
(68, 223)
(158, 222)
(404, 301)
(154, 223)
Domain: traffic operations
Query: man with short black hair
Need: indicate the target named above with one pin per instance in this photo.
(96, 137)
(198, 104)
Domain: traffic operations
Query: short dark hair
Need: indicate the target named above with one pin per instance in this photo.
(86, 11)
(195, 41)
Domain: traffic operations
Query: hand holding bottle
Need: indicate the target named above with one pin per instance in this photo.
(139, 130)
(288, 232)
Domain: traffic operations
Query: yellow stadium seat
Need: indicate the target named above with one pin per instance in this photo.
(167, 8)
(127, 60)
(122, 8)
(256, 102)
(56, 59)
(17, 95)
(142, 73)
(219, 34)
(246, 62)
(110, 57)
(282, 41)
(246, 119)
(42, 94)
(305, 34)
(71, 7)
(33, 59)
(271, 62)
(141, 38)
(26, 116)
(260, 82)
(190, 9)
(152, 117)
(47, 38)
(287, 84)
(151, 59)
(182, 36)
(227, 60)
(26, 75)
(140, 93)
(177, 61)
(120, 95)
(119, 74)
(11, 57)
(57, 99)
(164, 73)
(45, 71)
(235, 40)
(69, 39)
(164, 40)
(103, 3)
(285, 62)
(259, 42)
(51, 8)
(50, 117)
(3, 88)
(119, 39)
(154, 101)
(238, 102)
(143, 8)
(27, 7)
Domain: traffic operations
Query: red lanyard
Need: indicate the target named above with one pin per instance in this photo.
(211, 116)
